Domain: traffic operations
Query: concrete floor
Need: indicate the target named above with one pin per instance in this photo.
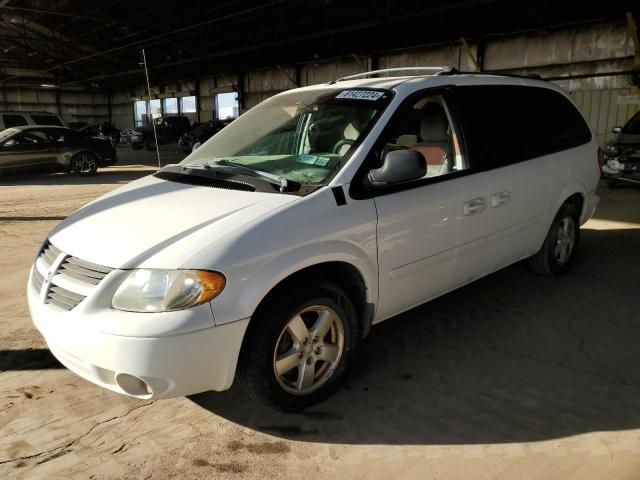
(513, 376)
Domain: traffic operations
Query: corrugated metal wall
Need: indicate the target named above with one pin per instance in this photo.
(605, 109)
(72, 106)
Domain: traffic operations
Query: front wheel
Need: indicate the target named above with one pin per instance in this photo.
(299, 347)
(559, 248)
(84, 164)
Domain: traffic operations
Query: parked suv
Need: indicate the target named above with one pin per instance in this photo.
(13, 118)
(270, 251)
(168, 130)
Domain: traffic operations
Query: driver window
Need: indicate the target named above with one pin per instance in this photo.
(425, 126)
(33, 137)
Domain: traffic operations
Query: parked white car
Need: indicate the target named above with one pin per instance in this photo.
(269, 252)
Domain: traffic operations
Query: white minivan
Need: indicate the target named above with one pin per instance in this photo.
(270, 251)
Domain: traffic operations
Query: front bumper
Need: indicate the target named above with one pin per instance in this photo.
(166, 366)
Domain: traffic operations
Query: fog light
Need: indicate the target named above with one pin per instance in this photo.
(133, 385)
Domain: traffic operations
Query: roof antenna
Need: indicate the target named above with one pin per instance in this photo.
(155, 135)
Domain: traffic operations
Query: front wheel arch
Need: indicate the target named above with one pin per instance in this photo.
(343, 274)
(257, 373)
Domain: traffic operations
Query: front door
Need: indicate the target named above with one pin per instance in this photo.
(430, 230)
(26, 149)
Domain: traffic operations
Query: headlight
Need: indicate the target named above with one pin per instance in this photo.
(148, 290)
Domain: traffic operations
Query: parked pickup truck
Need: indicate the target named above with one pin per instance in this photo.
(168, 130)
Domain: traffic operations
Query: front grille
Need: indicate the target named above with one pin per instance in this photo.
(72, 279)
(83, 271)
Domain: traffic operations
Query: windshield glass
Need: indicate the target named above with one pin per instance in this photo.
(302, 136)
(4, 134)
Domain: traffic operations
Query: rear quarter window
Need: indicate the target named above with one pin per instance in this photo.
(46, 120)
(14, 121)
(509, 124)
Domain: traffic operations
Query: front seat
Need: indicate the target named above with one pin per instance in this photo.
(435, 141)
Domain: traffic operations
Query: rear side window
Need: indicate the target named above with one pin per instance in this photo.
(46, 120)
(509, 124)
(14, 121)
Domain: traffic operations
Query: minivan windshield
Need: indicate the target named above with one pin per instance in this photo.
(304, 136)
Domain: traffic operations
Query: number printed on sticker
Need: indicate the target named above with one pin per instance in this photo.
(371, 95)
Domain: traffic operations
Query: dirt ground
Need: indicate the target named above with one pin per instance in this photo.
(512, 377)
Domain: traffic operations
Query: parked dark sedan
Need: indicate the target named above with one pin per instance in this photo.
(168, 130)
(59, 148)
(200, 134)
(103, 130)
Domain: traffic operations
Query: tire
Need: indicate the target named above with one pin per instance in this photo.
(561, 244)
(84, 164)
(613, 183)
(136, 146)
(274, 340)
(150, 145)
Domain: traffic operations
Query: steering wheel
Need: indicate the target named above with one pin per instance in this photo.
(342, 143)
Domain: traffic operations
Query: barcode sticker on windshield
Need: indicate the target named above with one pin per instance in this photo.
(360, 95)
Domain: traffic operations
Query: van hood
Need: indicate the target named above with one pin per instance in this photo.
(155, 223)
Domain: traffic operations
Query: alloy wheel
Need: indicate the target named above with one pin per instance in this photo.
(308, 350)
(565, 240)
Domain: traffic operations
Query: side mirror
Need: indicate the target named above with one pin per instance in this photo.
(616, 129)
(399, 166)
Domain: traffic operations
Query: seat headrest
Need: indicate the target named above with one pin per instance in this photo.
(434, 125)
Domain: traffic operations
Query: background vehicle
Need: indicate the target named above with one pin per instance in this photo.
(103, 130)
(77, 125)
(622, 156)
(58, 148)
(201, 133)
(13, 118)
(168, 130)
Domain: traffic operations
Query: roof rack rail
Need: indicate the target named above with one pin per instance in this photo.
(433, 70)
(498, 73)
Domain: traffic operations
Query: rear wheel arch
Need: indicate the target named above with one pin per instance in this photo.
(577, 200)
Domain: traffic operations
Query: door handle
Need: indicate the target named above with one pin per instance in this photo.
(474, 206)
(500, 198)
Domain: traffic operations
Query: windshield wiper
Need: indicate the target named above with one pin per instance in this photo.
(285, 185)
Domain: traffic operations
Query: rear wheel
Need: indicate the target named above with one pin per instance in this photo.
(84, 164)
(136, 146)
(150, 145)
(299, 347)
(559, 248)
